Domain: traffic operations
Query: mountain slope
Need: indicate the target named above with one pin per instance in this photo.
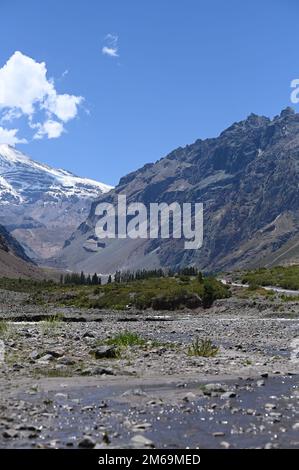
(247, 179)
(13, 260)
(40, 205)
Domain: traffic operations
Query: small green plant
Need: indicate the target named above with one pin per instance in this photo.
(3, 328)
(52, 324)
(7, 330)
(290, 298)
(247, 362)
(126, 338)
(203, 348)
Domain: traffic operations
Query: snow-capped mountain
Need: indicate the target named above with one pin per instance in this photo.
(40, 205)
(23, 180)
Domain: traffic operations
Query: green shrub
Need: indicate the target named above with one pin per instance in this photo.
(213, 290)
(286, 277)
(203, 348)
(3, 328)
(126, 338)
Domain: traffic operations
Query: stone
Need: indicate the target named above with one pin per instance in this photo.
(87, 443)
(67, 361)
(260, 383)
(88, 335)
(270, 406)
(45, 358)
(55, 353)
(105, 352)
(35, 355)
(213, 387)
(61, 395)
(142, 441)
(10, 434)
(270, 445)
(102, 371)
(189, 397)
(141, 427)
(225, 445)
(228, 395)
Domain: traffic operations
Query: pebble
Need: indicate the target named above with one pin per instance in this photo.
(87, 443)
(142, 441)
(260, 383)
(226, 395)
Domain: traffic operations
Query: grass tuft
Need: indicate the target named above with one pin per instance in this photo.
(3, 328)
(51, 325)
(125, 339)
(203, 348)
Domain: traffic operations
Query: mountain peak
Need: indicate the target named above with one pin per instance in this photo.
(252, 121)
(41, 205)
(288, 111)
(33, 180)
(11, 154)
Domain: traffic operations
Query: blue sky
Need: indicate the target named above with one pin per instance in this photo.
(173, 71)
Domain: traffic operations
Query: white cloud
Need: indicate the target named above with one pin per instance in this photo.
(51, 129)
(109, 51)
(23, 83)
(111, 47)
(65, 107)
(10, 115)
(26, 90)
(8, 136)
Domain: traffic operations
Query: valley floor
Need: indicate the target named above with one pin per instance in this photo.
(55, 393)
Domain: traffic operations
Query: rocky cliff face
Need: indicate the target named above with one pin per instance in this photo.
(13, 260)
(40, 205)
(9, 244)
(247, 179)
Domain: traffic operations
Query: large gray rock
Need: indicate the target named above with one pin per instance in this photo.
(105, 352)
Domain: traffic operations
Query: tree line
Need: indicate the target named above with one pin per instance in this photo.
(126, 276)
(80, 279)
(140, 274)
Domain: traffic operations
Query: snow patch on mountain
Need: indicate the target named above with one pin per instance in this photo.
(23, 180)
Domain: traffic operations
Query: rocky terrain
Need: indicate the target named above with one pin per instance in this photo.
(67, 382)
(240, 176)
(42, 206)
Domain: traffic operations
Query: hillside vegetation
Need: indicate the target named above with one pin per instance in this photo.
(286, 277)
(159, 293)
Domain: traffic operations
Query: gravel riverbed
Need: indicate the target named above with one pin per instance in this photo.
(59, 390)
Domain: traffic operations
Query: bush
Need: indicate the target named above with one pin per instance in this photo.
(203, 348)
(126, 338)
(286, 277)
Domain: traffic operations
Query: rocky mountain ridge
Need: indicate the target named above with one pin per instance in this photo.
(247, 179)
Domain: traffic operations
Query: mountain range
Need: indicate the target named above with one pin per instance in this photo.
(247, 179)
(42, 206)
